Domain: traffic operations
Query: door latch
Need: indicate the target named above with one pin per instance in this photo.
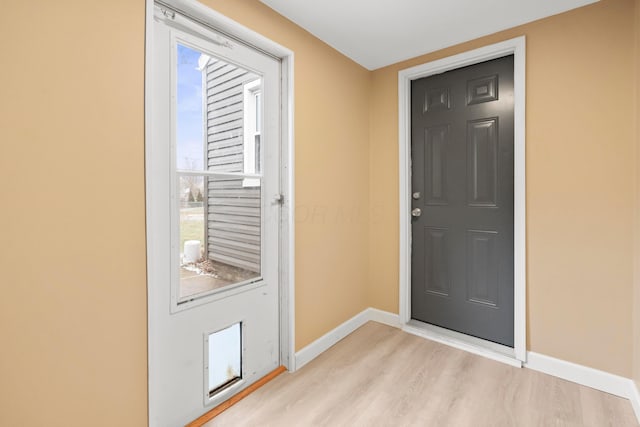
(279, 199)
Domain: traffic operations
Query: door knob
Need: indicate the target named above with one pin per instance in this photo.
(416, 212)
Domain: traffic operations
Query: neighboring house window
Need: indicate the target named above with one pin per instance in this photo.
(252, 127)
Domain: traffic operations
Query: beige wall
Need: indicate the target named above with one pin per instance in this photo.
(73, 309)
(580, 183)
(636, 310)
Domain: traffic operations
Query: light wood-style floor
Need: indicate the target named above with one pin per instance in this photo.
(381, 376)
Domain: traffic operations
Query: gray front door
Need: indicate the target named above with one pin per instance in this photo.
(462, 201)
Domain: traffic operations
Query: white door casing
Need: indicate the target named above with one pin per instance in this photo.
(516, 47)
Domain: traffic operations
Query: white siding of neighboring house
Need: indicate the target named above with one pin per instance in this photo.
(233, 211)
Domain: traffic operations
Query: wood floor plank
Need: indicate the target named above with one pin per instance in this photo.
(381, 376)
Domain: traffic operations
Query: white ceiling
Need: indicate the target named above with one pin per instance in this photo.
(376, 33)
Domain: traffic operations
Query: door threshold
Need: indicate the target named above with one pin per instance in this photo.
(208, 416)
(484, 348)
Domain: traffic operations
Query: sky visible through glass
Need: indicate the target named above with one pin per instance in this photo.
(189, 111)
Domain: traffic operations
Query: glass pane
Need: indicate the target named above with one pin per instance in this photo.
(258, 112)
(218, 114)
(225, 358)
(258, 153)
(189, 118)
(220, 232)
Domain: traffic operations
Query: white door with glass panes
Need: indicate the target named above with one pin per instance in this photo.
(212, 182)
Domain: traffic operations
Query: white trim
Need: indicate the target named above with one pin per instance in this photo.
(326, 341)
(516, 47)
(462, 342)
(594, 378)
(287, 215)
(634, 398)
(287, 229)
(384, 317)
(329, 339)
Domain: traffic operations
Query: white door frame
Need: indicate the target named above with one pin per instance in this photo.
(238, 32)
(516, 47)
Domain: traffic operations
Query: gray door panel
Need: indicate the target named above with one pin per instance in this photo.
(462, 166)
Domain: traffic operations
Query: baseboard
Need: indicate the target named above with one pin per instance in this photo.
(634, 398)
(323, 343)
(384, 317)
(590, 377)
